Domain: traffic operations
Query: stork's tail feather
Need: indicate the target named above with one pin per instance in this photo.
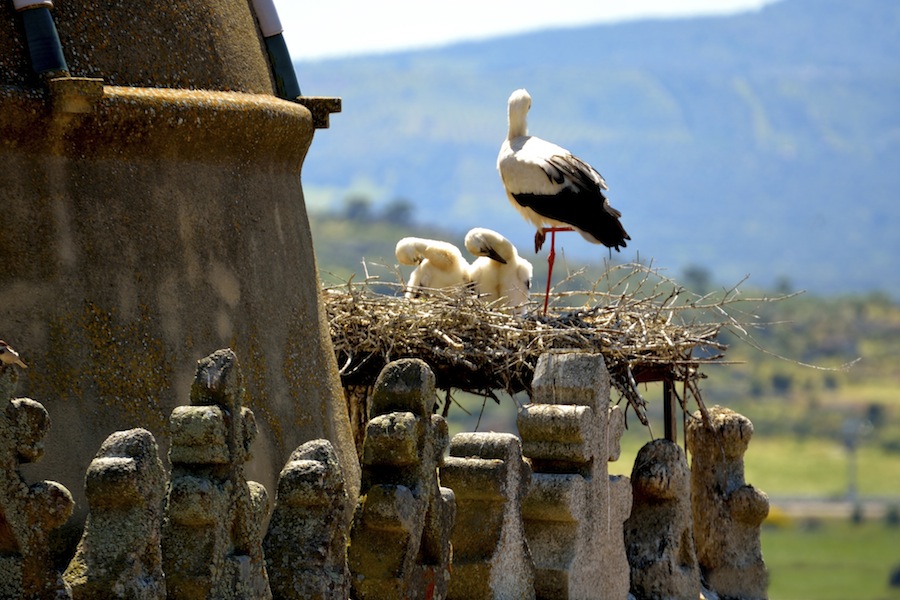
(608, 230)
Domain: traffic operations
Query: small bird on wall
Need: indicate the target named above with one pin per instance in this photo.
(8, 356)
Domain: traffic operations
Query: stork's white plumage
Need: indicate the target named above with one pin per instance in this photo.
(499, 271)
(439, 264)
(550, 186)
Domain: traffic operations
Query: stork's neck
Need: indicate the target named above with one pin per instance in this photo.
(518, 126)
(506, 250)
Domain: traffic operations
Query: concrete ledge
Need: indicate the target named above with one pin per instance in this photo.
(175, 124)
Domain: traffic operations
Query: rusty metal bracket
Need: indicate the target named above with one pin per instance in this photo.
(321, 108)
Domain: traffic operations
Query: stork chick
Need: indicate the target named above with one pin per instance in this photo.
(438, 264)
(499, 271)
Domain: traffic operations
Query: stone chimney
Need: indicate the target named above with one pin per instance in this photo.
(152, 210)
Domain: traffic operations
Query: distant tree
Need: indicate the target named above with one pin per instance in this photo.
(782, 383)
(697, 279)
(399, 212)
(783, 285)
(876, 415)
(358, 208)
(892, 519)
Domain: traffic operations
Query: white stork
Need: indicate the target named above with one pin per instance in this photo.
(439, 264)
(499, 272)
(553, 189)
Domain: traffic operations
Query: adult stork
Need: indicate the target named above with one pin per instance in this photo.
(498, 272)
(553, 189)
(438, 264)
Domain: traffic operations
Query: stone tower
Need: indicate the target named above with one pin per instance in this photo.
(151, 212)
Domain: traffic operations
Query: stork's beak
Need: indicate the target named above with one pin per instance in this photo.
(492, 254)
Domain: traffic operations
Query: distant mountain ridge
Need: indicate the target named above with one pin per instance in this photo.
(766, 143)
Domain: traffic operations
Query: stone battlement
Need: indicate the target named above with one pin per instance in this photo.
(500, 517)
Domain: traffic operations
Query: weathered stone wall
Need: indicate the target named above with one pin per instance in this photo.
(400, 536)
(727, 511)
(120, 553)
(499, 518)
(573, 519)
(28, 513)
(489, 478)
(140, 43)
(659, 533)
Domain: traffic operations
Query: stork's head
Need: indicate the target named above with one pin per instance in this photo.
(485, 242)
(519, 103)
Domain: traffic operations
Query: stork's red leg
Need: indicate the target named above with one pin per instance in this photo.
(551, 258)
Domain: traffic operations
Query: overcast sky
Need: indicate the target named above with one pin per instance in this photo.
(351, 27)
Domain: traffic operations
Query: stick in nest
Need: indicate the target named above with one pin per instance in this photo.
(643, 324)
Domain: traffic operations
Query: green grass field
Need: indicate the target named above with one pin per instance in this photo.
(832, 560)
(783, 466)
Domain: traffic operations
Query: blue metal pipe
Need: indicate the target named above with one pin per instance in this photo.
(286, 85)
(44, 46)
